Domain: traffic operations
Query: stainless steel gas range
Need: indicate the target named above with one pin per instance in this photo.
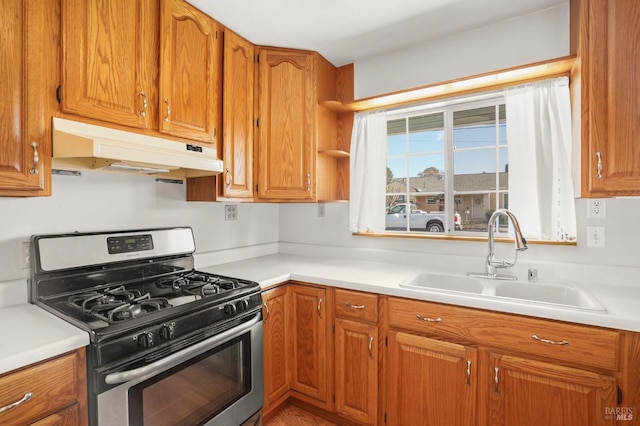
(170, 345)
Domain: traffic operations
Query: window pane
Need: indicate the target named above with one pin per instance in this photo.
(417, 161)
(426, 133)
(396, 145)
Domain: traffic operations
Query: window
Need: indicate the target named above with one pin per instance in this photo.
(446, 166)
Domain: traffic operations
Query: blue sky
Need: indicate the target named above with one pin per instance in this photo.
(474, 151)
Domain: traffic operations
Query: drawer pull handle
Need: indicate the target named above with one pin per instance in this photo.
(427, 319)
(320, 308)
(27, 396)
(468, 372)
(371, 347)
(266, 308)
(549, 342)
(352, 306)
(495, 379)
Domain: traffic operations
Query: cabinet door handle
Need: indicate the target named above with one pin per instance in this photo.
(229, 178)
(36, 159)
(371, 347)
(468, 371)
(166, 117)
(308, 182)
(427, 319)
(266, 308)
(352, 306)
(495, 379)
(143, 113)
(320, 308)
(27, 396)
(549, 342)
(599, 165)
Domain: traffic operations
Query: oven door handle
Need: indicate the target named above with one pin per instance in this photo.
(125, 376)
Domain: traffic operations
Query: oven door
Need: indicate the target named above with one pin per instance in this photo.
(214, 382)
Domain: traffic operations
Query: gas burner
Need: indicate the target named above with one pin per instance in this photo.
(198, 284)
(113, 296)
(138, 308)
(118, 304)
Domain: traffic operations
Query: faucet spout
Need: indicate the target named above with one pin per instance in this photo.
(492, 262)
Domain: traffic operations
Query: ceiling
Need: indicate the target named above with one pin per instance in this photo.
(345, 31)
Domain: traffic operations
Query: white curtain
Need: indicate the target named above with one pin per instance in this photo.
(368, 172)
(539, 140)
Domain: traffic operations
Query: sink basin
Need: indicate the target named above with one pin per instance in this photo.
(536, 293)
(550, 294)
(444, 282)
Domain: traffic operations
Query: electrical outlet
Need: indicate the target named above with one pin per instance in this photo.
(231, 212)
(597, 209)
(595, 236)
(321, 209)
(25, 254)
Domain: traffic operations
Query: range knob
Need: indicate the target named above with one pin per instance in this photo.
(166, 331)
(145, 340)
(242, 305)
(229, 309)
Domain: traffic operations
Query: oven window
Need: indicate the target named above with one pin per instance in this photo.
(194, 392)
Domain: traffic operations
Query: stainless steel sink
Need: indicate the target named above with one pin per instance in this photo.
(442, 282)
(523, 292)
(548, 294)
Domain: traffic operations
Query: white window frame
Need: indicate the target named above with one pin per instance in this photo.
(448, 107)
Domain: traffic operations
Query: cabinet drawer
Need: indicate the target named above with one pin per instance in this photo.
(573, 343)
(53, 385)
(356, 305)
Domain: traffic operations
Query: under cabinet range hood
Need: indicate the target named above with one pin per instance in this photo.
(82, 146)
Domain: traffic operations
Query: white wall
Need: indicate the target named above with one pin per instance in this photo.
(531, 38)
(301, 230)
(107, 201)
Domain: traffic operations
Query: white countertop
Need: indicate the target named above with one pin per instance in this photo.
(621, 302)
(31, 334)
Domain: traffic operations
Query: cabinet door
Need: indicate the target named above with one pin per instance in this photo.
(286, 129)
(237, 144)
(309, 319)
(29, 79)
(275, 343)
(109, 56)
(190, 72)
(611, 106)
(356, 358)
(430, 382)
(526, 392)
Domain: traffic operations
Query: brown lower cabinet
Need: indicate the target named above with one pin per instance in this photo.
(58, 391)
(397, 361)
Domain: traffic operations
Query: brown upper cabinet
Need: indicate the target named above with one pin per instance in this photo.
(285, 135)
(301, 140)
(605, 36)
(27, 73)
(190, 72)
(141, 63)
(236, 182)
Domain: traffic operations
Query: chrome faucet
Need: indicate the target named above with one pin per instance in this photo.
(493, 263)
